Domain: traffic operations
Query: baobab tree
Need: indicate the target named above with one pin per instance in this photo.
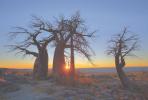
(30, 39)
(121, 46)
(78, 41)
(73, 38)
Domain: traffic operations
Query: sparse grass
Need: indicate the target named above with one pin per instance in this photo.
(47, 90)
(85, 82)
(9, 88)
(102, 86)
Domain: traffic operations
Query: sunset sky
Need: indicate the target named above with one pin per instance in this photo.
(108, 17)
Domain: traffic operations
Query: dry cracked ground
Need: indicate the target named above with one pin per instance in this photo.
(101, 86)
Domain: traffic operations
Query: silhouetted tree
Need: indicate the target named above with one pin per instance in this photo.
(58, 34)
(122, 45)
(78, 40)
(34, 38)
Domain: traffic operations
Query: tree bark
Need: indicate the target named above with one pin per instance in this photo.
(122, 76)
(40, 70)
(59, 61)
(35, 68)
(72, 66)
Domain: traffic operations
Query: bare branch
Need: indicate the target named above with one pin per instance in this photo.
(123, 44)
(20, 49)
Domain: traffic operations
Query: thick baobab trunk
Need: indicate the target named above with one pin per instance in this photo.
(35, 68)
(59, 61)
(40, 70)
(122, 76)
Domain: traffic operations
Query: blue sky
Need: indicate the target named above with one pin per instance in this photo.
(108, 17)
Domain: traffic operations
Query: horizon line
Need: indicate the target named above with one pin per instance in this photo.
(83, 67)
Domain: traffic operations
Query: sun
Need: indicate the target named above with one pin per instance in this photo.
(67, 67)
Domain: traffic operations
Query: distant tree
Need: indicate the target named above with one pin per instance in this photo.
(32, 39)
(121, 46)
